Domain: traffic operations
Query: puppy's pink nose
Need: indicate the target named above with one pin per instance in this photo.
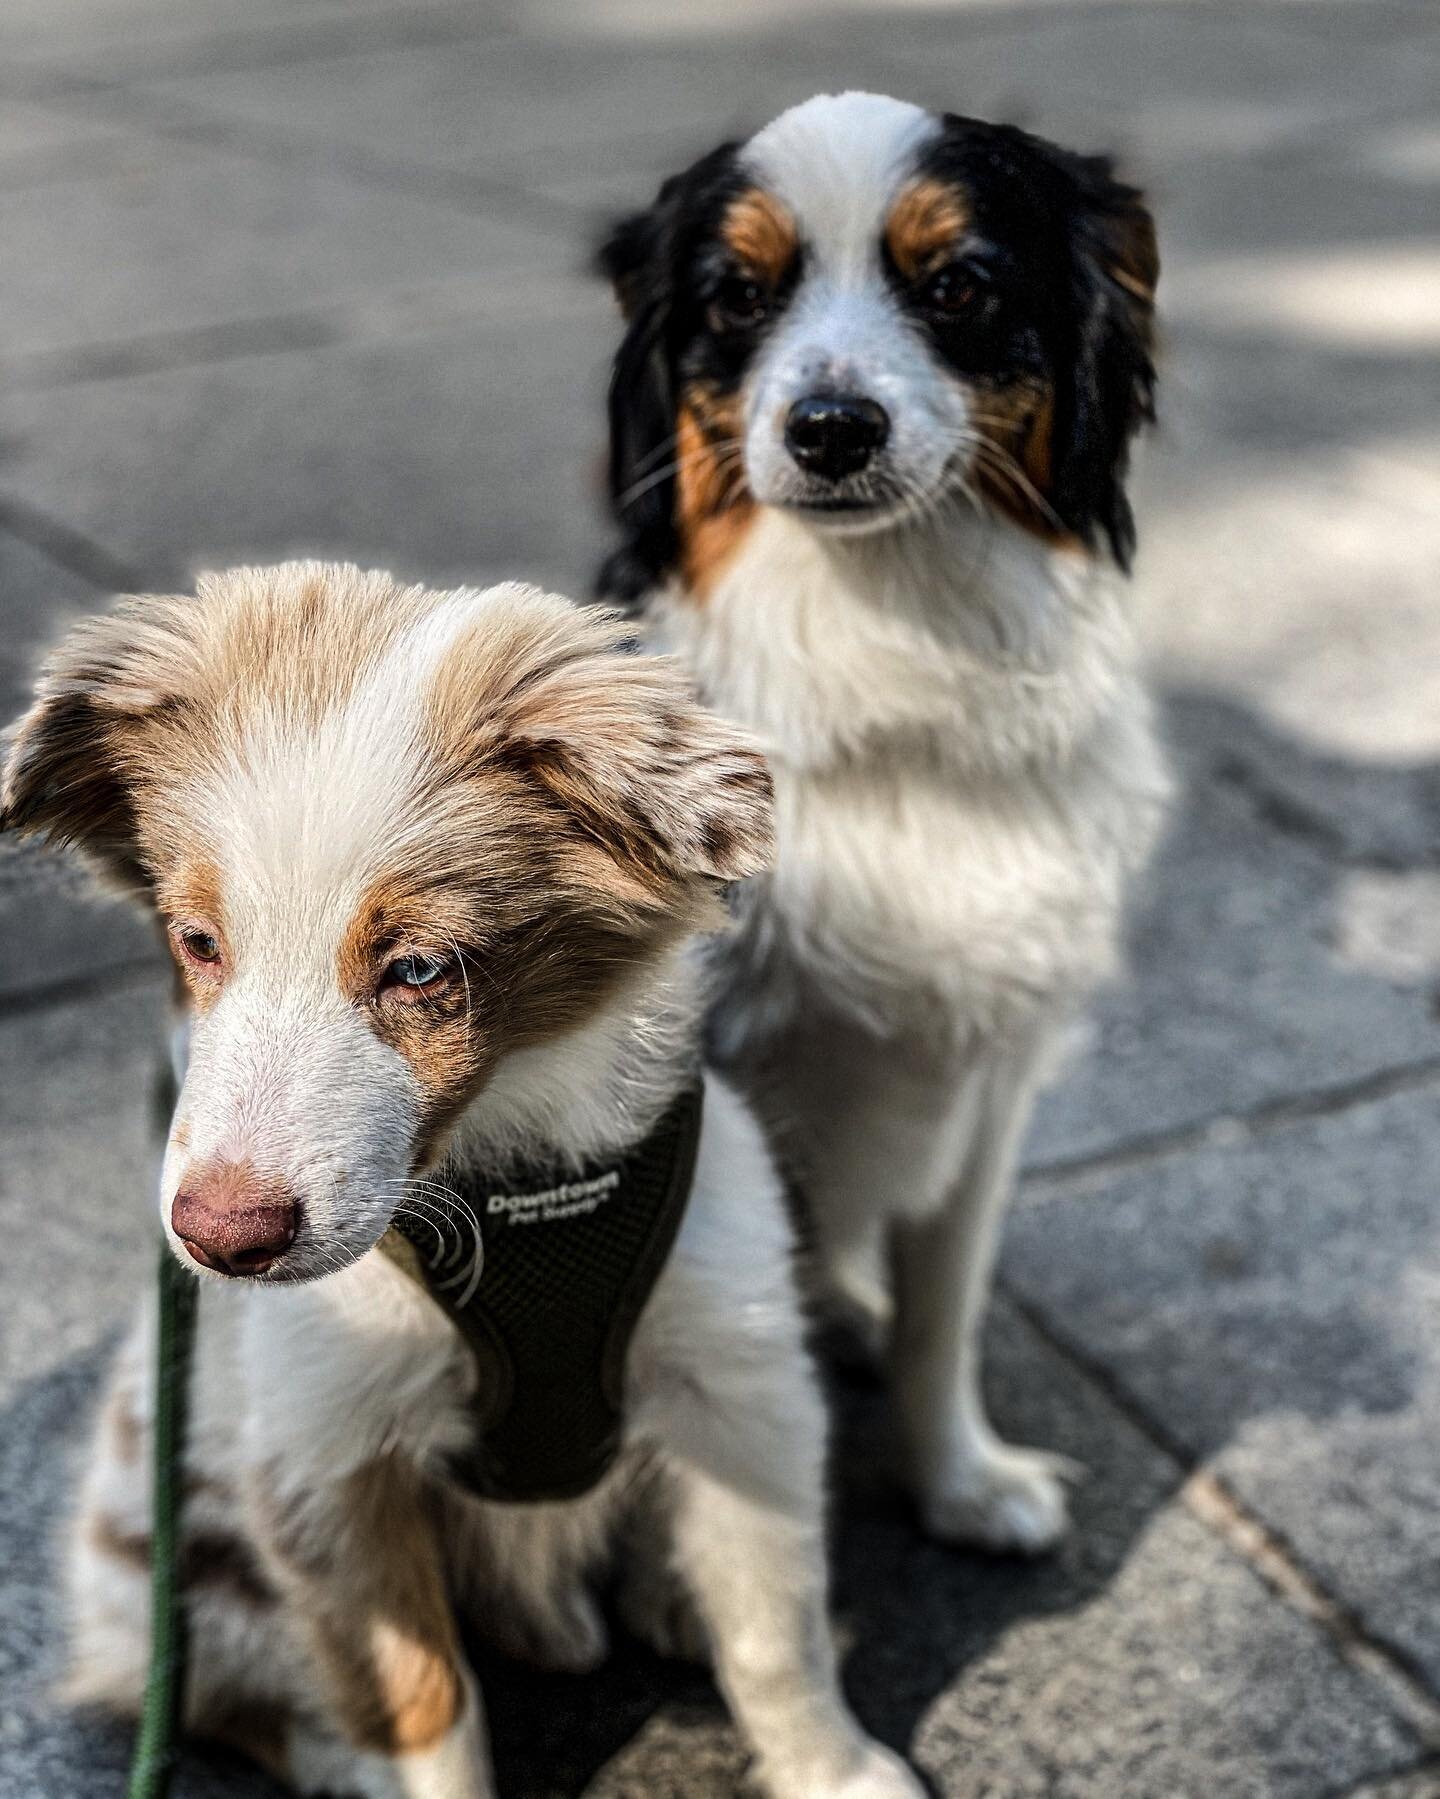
(232, 1220)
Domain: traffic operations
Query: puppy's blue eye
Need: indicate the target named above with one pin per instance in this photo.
(416, 971)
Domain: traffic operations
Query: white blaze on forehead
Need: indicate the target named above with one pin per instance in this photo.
(837, 162)
(310, 811)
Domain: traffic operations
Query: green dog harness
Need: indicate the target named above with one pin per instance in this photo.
(548, 1300)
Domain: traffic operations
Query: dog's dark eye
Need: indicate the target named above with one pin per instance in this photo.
(416, 971)
(955, 292)
(740, 304)
(200, 946)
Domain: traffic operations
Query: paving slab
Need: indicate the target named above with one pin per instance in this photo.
(1253, 971)
(468, 452)
(77, 1180)
(1151, 71)
(1144, 1660)
(61, 43)
(1423, 1783)
(39, 143)
(59, 933)
(516, 102)
(1307, 593)
(1271, 1304)
(95, 261)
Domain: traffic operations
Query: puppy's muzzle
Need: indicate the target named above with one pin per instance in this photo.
(835, 435)
(233, 1222)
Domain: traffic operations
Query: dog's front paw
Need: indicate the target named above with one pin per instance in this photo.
(1007, 1500)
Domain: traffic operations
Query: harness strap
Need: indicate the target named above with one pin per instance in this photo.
(548, 1300)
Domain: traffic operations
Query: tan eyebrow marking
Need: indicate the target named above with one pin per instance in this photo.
(760, 234)
(926, 223)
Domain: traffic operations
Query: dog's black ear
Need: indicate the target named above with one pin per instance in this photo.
(636, 258)
(642, 256)
(1108, 390)
(70, 762)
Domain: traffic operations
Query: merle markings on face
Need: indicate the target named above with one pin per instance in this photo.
(395, 836)
(869, 312)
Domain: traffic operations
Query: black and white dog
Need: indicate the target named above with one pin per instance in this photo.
(871, 421)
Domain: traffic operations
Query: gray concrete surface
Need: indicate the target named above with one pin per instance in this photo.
(307, 275)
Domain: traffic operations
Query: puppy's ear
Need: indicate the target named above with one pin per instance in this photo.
(71, 761)
(675, 795)
(1109, 390)
(641, 257)
(670, 790)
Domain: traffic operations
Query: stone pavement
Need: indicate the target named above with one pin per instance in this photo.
(306, 275)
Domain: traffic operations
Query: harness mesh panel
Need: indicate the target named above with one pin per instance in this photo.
(557, 1302)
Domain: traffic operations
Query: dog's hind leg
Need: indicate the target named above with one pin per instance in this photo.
(245, 1668)
(972, 1487)
(360, 1565)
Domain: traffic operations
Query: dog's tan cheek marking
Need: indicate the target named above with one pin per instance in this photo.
(713, 506)
(760, 234)
(1017, 420)
(925, 226)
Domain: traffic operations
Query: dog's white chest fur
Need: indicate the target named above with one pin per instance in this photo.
(964, 763)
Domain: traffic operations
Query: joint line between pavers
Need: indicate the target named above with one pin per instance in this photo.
(472, 192)
(1226, 1129)
(1208, 1499)
(70, 549)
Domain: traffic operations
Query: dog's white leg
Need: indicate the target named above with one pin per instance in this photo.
(972, 1487)
(727, 1395)
(758, 1574)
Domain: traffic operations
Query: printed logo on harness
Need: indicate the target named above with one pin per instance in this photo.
(571, 1199)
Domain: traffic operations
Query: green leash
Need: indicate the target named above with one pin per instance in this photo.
(155, 1747)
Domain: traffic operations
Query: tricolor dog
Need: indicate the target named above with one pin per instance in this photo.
(428, 863)
(870, 426)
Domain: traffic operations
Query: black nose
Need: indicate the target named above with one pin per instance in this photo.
(834, 435)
